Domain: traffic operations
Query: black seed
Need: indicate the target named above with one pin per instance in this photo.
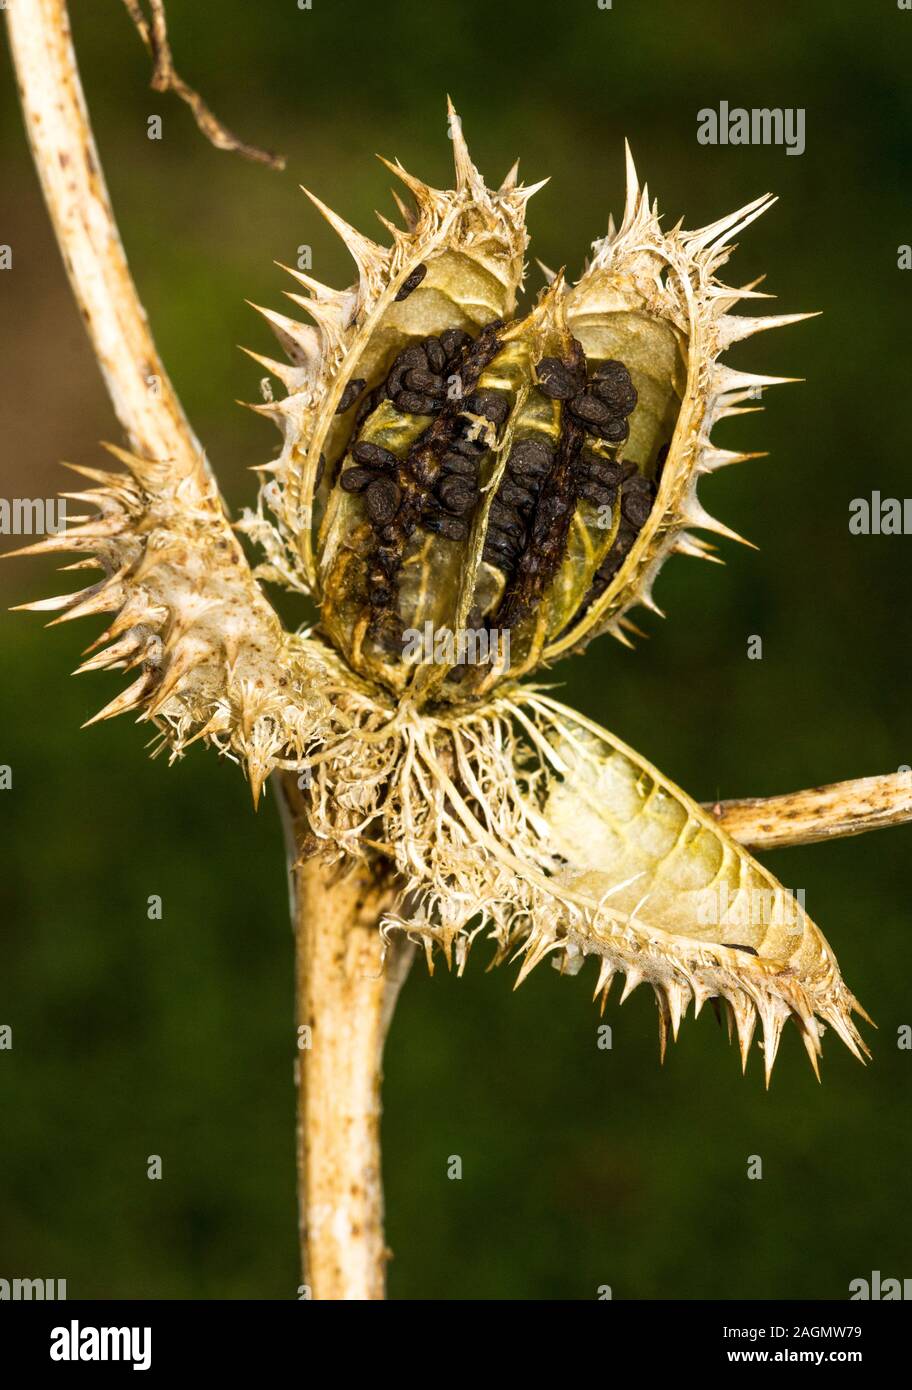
(600, 470)
(589, 409)
(414, 356)
(556, 380)
(374, 456)
(515, 495)
(490, 405)
(394, 382)
(532, 457)
(453, 340)
(457, 463)
(616, 556)
(428, 382)
(507, 543)
(611, 382)
(350, 394)
(321, 469)
(457, 494)
(356, 479)
(413, 281)
(615, 430)
(505, 518)
(452, 528)
(495, 554)
(559, 380)
(736, 946)
(435, 354)
(551, 509)
(382, 500)
(661, 458)
(611, 370)
(507, 536)
(636, 504)
(619, 400)
(415, 403)
(471, 448)
(599, 494)
(628, 469)
(369, 403)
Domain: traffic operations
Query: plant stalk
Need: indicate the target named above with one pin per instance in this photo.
(66, 158)
(831, 812)
(347, 982)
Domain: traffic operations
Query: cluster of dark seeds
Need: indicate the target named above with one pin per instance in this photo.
(600, 404)
(529, 463)
(545, 540)
(417, 382)
(449, 508)
(445, 460)
(376, 474)
(533, 523)
(436, 485)
(637, 497)
(599, 478)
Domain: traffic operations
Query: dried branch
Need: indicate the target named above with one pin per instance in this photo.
(77, 199)
(820, 813)
(348, 981)
(165, 79)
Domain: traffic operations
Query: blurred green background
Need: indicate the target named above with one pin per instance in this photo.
(133, 1037)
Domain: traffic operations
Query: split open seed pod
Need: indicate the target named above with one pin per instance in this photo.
(450, 466)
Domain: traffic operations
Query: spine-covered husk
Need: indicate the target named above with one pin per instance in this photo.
(504, 812)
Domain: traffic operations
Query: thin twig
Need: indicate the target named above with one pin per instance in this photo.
(819, 813)
(166, 79)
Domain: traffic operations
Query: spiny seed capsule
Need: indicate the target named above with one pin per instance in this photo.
(532, 471)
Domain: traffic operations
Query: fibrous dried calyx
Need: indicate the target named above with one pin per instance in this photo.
(448, 461)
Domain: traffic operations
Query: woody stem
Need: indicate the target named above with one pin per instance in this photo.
(347, 983)
(820, 813)
(68, 166)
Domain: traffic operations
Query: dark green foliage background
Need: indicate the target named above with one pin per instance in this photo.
(581, 1167)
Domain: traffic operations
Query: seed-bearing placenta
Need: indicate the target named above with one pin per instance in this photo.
(451, 426)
